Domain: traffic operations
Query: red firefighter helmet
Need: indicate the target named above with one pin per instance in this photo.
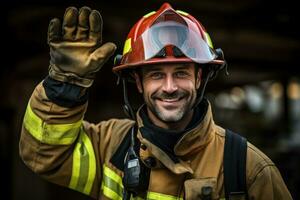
(167, 36)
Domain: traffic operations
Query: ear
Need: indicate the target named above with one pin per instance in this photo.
(198, 79)
(138, 82)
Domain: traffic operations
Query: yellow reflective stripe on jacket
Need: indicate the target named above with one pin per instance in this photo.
(84, 165)
(112, 188)
(159, 196)
(56, 134)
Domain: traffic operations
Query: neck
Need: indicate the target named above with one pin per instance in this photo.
(179, 125)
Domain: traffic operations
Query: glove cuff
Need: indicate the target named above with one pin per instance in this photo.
(69, 77)
(65, 94)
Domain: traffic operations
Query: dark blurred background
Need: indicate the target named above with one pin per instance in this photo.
(260, 99)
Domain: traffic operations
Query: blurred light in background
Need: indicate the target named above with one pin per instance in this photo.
(293, 93)
(262, 105)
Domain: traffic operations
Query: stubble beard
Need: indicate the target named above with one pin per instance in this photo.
(172, 115)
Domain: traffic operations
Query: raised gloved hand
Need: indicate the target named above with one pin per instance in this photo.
(76, 48)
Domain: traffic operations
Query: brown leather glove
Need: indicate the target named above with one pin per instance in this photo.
(76, 48)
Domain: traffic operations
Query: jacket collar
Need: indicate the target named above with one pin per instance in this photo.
(198, 137)
(193, 139)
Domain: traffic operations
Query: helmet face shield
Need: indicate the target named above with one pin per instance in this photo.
(163, 37)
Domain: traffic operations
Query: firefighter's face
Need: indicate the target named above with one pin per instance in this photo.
(169, 90)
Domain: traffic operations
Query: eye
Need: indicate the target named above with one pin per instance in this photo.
(156, 75)
(181, 74)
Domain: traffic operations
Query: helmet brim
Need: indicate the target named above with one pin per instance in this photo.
(153, 61)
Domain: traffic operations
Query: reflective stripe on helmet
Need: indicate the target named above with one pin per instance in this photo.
(84, 165)
(127, 46)
(149, 14)
(57, 134)
(182, 12)
(208, 40)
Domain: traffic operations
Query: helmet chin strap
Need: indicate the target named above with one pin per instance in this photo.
(200, 92)
(127, 106)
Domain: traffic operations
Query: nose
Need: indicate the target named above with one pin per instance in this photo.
(170, 84)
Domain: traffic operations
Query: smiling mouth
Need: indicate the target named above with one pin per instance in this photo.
(170, 100)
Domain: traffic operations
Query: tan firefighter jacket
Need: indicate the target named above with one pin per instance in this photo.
(59, 145)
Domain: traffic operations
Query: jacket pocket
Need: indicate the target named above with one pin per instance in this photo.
(201, 189)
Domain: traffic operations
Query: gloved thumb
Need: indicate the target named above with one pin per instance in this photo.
(103, 53)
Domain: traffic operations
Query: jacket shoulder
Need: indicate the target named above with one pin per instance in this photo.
(256, 162)
(264, 179)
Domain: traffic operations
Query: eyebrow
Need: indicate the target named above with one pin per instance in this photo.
(150, 69)
(182, 67)
(153, 68)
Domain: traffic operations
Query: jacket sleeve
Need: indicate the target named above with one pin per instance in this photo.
(265, 180)
(55, 145)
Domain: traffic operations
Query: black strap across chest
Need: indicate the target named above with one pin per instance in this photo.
(235, 156)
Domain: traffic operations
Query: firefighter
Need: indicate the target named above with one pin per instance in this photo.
(170, 148)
